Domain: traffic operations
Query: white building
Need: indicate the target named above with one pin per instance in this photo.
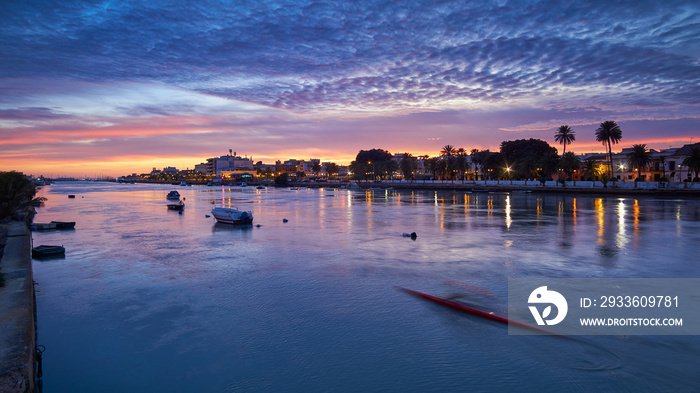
(228, 163)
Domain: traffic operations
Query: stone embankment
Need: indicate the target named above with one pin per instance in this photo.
(17, 310)
(620, 188)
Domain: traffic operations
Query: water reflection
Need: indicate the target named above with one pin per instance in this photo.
(509, 220)
(310, 304)
(621, 238)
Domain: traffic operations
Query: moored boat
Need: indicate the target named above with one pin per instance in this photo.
(176, 206)
(232, 216)
(173, 195)
(48, 251)
(37, 226)
(64, 224)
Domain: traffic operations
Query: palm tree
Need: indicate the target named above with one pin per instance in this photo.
(569, 163)
(565, 135)
(610, 134)
(549, 163)
(591, 169)
(461, 163)
(408, 166)
(477, 161)
(639, 158)
(448, 150)
(431, 164)
(332, 169)
(693, 160)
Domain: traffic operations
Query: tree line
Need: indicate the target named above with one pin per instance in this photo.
(516, 160)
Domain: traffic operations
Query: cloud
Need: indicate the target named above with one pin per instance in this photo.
(310, 56)
(305, 73)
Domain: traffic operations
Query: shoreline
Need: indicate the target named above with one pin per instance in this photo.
(17, 310)
(471, 187)
(620, 188)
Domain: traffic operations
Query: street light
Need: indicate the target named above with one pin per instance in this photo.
(622, 169)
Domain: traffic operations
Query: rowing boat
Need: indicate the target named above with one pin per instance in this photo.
(475, 311)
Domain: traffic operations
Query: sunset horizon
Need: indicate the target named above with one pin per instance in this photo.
(113, 89)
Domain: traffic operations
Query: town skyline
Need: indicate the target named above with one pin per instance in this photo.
(106, 88)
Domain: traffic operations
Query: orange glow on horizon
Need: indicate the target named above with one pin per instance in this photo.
(46, 159)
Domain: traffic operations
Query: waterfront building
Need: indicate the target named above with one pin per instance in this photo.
(227, 163)
(665, 162)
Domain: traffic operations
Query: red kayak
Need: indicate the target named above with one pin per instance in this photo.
(475, 311)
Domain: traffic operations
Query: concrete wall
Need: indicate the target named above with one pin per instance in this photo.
(626, 185)
(17, 311)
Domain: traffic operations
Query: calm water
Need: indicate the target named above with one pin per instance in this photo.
(149, 300)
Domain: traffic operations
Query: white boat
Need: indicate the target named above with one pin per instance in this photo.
(232, 216)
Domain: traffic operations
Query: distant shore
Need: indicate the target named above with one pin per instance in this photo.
(505, 186)
(579, 187)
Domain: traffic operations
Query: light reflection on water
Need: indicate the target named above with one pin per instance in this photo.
(152, 300)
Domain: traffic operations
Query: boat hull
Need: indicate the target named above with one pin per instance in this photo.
(48, 251)
(64, 224)
(232, 216)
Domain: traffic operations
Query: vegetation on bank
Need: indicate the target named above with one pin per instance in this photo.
(16, 193)
(516, 160)
(519, 159)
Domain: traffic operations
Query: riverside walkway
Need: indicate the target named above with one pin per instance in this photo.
(17, 310)
(582, 187)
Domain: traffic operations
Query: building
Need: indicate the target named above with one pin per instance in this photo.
(228, 163)
(666, 163)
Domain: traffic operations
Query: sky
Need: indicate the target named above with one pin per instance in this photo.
(109, 88)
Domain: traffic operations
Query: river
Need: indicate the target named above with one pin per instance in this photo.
(150, 300)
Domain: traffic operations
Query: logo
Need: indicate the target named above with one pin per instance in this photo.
(542, 296)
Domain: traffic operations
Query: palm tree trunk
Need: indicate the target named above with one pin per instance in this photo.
(610, 159)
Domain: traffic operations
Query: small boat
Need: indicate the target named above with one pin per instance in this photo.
(71, 196)
(232, 216)
(176, 206)
(259, 188)
(64, 224)
(43, 226)
(479, 313)
(173, 195)
(48, 251)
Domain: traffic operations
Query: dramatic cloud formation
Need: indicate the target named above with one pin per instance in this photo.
(112, 84)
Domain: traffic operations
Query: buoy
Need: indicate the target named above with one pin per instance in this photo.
(285, 220)
(258, 226)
